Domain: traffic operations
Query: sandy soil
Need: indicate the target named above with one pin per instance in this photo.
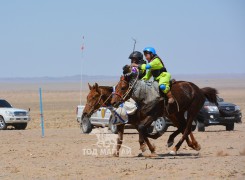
(66, 153)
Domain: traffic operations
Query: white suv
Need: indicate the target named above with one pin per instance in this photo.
(10, 116)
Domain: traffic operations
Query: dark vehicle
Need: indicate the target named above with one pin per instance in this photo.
(227, 114)
(210, 115)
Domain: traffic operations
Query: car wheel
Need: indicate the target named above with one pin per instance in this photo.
(86, 126)
(160, 125)
(3, 125)
(230, 127)
(200, 126)
(20, 126)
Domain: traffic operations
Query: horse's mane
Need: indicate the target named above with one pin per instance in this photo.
(110, 88)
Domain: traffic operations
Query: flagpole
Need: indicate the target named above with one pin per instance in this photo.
(82, 48)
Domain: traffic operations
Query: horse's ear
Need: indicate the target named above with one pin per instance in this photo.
(126, 69)
(90, 87)
(122, 78)
(96, 86)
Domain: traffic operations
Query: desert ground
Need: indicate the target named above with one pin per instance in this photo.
(66, 153)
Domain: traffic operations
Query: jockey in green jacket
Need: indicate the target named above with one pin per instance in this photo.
(157, 69)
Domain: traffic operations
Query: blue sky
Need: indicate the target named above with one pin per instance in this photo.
(43, 38)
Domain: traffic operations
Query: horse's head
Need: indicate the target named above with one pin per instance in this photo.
(94, 101)
(124, 86)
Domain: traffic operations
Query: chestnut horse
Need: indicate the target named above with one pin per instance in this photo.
(188, 98)
(101, 96)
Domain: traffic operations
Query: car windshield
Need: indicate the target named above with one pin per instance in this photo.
(4, 104)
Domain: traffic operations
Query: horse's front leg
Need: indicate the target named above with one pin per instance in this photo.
(143, 139)
(119, 139)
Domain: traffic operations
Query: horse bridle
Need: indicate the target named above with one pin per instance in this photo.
(123, 97)
(98, 103)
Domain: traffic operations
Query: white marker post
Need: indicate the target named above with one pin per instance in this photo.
(41, 111)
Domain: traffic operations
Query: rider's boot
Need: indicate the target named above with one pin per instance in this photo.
(170, 97)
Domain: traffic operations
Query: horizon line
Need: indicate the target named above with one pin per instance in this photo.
(77, 75)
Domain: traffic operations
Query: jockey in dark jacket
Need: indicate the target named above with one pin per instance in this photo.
(137, 58)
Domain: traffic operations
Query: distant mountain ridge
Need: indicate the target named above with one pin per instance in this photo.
(75, 78)
(99, 78)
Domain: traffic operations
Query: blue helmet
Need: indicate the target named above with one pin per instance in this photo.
(150, 50)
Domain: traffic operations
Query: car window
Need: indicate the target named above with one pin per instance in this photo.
(4, 104)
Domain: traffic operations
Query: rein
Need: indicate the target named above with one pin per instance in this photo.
(122, 97)
(98, 103)
(93, 106)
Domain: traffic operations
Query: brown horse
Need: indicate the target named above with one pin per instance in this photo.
(188, 98)
(101, 95)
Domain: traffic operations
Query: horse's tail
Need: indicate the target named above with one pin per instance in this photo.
(210, 94)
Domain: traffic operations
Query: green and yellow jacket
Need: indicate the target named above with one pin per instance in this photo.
(155, 68)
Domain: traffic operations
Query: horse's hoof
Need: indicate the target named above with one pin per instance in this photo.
(115, 154)
(173, 153)
(140, 155)
(145, 154)
(170, 144)
(153, 154)
(198, 148)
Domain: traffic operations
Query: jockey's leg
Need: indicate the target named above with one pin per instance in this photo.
(165, 86)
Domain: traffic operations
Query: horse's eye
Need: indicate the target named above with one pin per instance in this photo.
(123, 89)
